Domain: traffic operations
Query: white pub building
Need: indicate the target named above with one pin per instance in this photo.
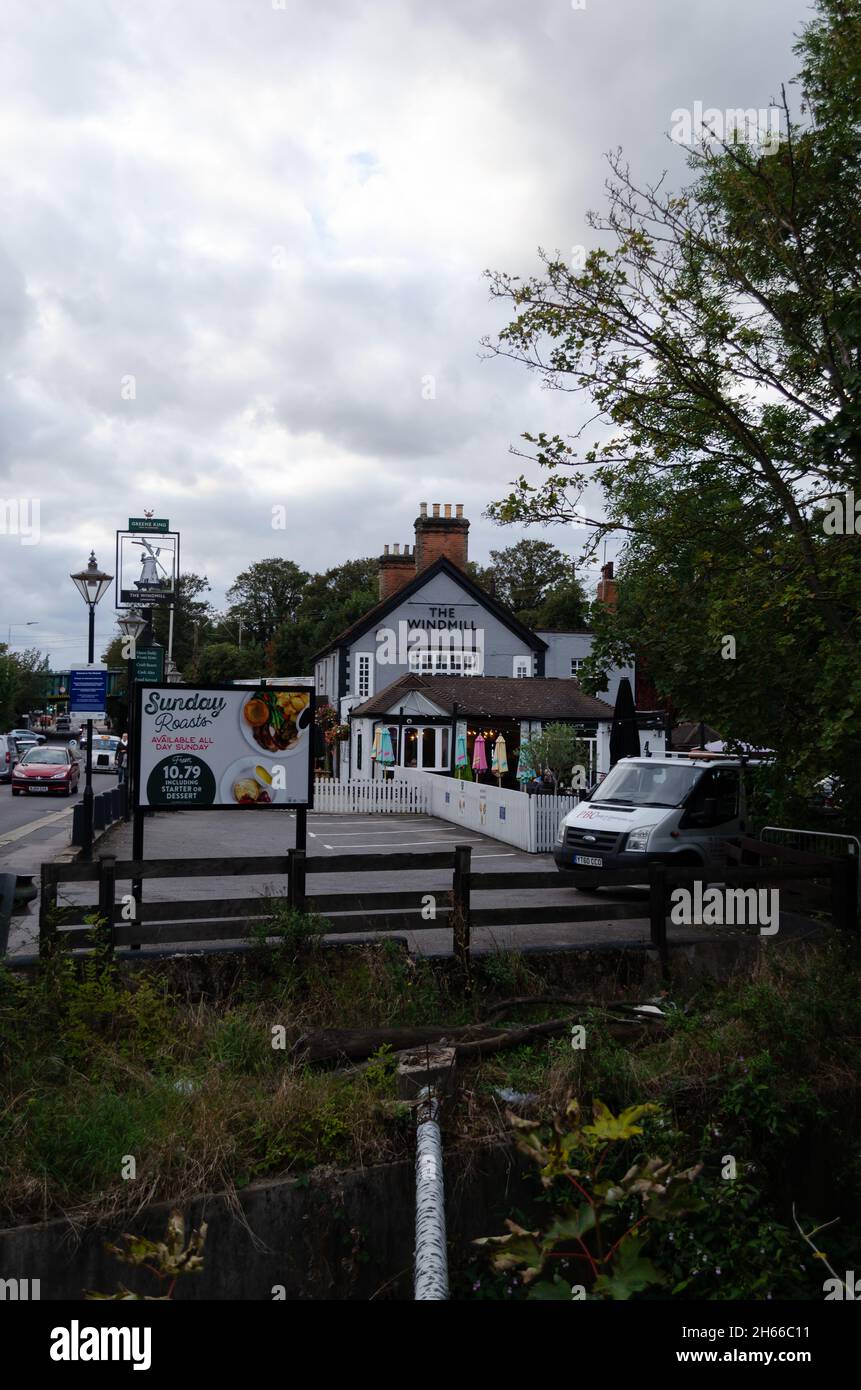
(438, 658)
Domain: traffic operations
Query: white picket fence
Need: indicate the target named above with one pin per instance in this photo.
(392, 796)
(528, 822)
(546, 812)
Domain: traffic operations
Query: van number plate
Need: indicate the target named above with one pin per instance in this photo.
(587, 859)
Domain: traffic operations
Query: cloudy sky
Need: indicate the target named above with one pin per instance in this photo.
(238, 237)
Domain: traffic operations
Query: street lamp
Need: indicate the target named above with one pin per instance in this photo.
(34, 623)
(92, 584)
(132, 626)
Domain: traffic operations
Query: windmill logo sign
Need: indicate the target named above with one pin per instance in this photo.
(147, 563)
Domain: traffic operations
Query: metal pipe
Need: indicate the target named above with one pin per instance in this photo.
(431, 1263)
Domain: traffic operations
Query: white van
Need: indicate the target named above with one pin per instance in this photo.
(675, 807)
(8, 757)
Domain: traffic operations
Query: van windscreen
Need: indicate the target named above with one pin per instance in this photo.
(647, 784)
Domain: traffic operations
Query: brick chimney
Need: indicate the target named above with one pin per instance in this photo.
(441, 535)
(396, 568)
(607, 591)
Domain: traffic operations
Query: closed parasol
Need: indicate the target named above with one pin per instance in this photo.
(386, 755)
(499, 762)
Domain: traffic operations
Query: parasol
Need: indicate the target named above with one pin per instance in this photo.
(499, 762)
(386, 755)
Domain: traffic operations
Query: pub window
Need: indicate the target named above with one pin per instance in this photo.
(522, 666)
(428, 747)
(411, 741)
(444, 747)
(363, 675)
(576, 663)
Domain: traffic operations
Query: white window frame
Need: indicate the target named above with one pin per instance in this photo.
(428, 661)
(522, 667)
(576, 663)
(364, 674)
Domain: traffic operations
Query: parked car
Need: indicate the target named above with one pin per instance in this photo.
(46, 770)
(27, 733)
(105, 752)
(673, 808)
(21, 744)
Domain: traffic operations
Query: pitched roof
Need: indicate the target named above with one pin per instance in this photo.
(494, 697)
(440, 566)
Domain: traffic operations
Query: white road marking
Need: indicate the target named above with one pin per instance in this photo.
(408, 844)
(509, 855)
(32, 825)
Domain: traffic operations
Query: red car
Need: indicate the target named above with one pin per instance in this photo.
(46, 770)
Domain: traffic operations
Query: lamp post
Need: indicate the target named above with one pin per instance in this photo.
(132, 626)
(92, 584)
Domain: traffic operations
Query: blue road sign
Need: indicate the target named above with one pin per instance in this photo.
(88, 692)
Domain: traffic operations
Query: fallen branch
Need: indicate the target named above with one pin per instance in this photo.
(472, 1040)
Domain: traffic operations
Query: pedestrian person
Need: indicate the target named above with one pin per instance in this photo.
(122, 759)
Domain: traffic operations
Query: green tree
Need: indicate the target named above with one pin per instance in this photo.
(559, 749)
(717, 334)
(225, 661)
(329, 603)
(264, 596)
(525, 575)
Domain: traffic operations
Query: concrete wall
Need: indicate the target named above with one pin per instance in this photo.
(344, 1236)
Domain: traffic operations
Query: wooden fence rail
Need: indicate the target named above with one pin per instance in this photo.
(365, 910)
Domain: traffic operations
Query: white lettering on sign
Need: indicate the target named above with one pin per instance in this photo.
(205, 709)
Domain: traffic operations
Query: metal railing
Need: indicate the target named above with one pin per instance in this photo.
(815, 842)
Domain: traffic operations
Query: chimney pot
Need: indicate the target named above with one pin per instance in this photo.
(396, 549)
(436, 508)
(458, 511)
(448, 509)
(423, 508)
(385, 550)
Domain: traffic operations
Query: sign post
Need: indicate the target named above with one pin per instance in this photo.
(149, 665)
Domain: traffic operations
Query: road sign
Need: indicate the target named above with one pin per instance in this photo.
(149, 665)
(148, 523)
(88, 692)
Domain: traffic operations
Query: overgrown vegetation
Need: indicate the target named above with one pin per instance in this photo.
(212, 1093)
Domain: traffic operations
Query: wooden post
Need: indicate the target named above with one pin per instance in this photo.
(296, 881)
(460, 894)
(47, 907)
(108, 893)
(137, 854)
(658, 912)
(302, 828)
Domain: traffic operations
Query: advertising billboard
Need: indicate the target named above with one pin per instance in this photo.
(203, 747)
